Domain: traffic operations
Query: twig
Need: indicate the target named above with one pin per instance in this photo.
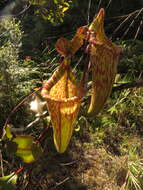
(19, 170)
(69, 163)
(123, 16)
(138, 30)
(79, 61)
(60, 183)
(110, 1)
(18, 14)
(121, 24)
(22, 129)
(17, 106)
(88, 12)
(43, 133)
(99, 4)
(132, 23)
(1, 163)
(134, 84)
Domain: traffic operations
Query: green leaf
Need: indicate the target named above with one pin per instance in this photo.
(113, 110)
(8, 182)
(1, 77)
(25, 148)
(7, 132)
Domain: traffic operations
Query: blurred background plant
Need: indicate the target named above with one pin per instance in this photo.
(10, 44)
(53, 10)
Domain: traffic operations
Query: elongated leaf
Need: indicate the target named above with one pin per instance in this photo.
(8, 182)
(7, 132)
(63, 101)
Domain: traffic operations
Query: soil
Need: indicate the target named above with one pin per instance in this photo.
(82, 167)
(85, 165)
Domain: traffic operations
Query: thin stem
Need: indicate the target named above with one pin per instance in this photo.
(132, 23)
(108, 4)
(18, 14)
(1, 163)
(22, 129)
(19, 170)
(99, 4)
(18, 105)
(138, 30)
(43, 133)
(134, 84)
(122, 24)
(88, 16)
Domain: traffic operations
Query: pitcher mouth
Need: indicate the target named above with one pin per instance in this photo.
(62, 100)
(45, 94)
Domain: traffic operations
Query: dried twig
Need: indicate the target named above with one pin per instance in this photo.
(17, 106)
(22, 129)
(109, 3)
(88, 12)
(18, 14)
(138, 30)
(69, 163)
(1, 164)
(132, 23)
(134, 84)
(60, 183)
